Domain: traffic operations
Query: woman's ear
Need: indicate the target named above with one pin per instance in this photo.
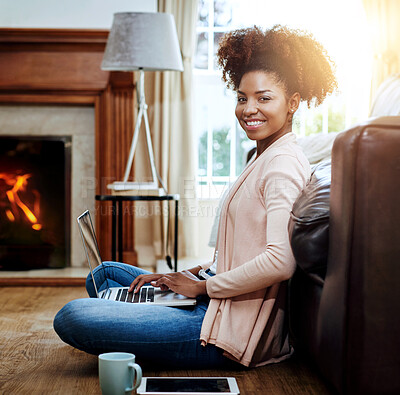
(294, 102)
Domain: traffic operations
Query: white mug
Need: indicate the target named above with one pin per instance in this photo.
(117, 371)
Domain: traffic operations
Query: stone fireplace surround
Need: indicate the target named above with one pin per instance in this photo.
(51, 83)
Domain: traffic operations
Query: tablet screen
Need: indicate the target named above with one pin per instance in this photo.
(187, 385)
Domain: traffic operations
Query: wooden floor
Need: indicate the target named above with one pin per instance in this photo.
(34, 361)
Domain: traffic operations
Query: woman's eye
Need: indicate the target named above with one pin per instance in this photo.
(241, 99)
(265, 98)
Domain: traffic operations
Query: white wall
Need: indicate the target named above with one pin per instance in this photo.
(74, 14)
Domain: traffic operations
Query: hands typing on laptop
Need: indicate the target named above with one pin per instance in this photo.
(186, 282)
(145, 287)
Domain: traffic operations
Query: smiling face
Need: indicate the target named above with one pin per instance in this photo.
(263, 109)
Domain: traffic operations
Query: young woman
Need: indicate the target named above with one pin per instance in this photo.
(240, 314)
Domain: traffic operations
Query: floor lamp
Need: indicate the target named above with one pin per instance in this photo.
(142, 42)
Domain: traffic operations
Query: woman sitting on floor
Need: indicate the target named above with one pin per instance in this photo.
(240, 313)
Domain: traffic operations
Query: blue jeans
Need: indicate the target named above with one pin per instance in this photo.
(157, 335)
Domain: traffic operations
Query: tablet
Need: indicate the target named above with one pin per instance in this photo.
(188, 386)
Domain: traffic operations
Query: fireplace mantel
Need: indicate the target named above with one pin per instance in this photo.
(62, 66)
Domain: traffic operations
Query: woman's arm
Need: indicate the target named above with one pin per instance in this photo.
(284, 180)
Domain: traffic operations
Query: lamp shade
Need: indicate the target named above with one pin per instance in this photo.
(142, 40)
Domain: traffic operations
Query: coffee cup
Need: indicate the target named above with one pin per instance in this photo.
(118, 373)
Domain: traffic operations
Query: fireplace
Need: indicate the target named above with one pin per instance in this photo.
(35, 202)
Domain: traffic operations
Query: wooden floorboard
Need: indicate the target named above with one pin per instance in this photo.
(42, 282)
(34, 360)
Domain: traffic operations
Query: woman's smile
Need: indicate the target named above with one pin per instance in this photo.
(253, 123)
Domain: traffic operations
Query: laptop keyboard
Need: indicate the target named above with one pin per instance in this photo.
(146, 294)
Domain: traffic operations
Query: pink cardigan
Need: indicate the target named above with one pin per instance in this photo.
(246, 314)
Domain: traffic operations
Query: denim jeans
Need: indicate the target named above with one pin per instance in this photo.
(157, 335)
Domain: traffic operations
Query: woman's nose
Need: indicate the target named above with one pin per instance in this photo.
(250, 108)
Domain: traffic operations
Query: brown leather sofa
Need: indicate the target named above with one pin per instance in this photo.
(347, 321)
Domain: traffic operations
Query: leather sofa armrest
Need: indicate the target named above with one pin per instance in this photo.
(359, 320)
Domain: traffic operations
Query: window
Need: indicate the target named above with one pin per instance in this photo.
(222, 144)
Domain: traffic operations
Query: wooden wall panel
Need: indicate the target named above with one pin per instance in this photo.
(115, 129)
(62, 66)
(52, 71)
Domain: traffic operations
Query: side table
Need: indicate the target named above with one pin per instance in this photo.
(117, 218)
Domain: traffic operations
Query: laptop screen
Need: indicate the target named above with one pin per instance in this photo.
(89, 243)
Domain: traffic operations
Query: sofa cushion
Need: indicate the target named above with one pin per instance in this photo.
(309, 223)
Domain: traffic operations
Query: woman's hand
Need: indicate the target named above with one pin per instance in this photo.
(185, 283)
(142, 279)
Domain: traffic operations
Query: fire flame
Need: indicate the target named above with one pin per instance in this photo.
(18, 183)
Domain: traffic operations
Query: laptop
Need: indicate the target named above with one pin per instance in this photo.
(147, 294)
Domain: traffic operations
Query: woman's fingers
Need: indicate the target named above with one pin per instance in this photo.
(142, 279)
(135, 288)
(164, 280)
(180, 282)
(163, 287)
(185, 283)
(135, 282)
